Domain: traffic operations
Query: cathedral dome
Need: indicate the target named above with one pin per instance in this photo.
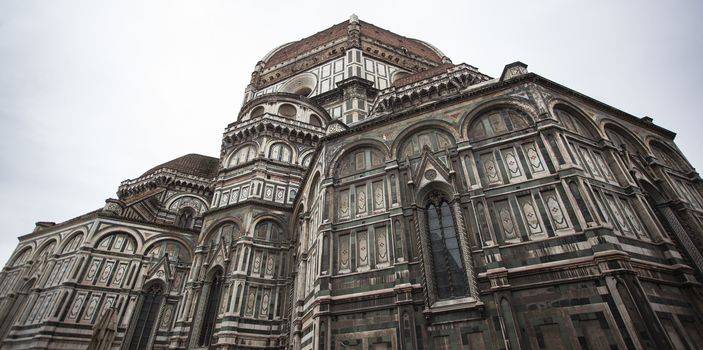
(368, 32)
(410, 54)
(190, 164)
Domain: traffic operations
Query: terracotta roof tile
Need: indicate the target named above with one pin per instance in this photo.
(191, 164)
(367, 30)
(301, 46)
(387, 37)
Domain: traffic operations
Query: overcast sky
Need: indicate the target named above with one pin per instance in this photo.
(96, 92)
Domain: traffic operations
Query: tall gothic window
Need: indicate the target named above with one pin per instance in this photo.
(210, 312)
(449, 271)
(151, 303)
(185, 218)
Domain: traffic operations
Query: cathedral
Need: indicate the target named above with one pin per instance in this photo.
(372, 194)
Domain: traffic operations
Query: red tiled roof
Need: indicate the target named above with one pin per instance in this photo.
(387, 37)
(296, 48)
(191, 164)
(367, 30)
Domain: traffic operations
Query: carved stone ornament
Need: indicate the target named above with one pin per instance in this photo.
(430, 174)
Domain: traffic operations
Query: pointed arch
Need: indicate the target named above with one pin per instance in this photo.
(23, 255)
(72, 241)
(620, 135)
(668, 156)
(227, 228)
(358, 159)
(306, 157)
(214, 286)
(176, 249)
(119, 241)
(510, 103)
(47, 247)
(135, 235)
(498, 121)
(242, 154)
(281, 151)
(443, 247)
(378, 146)
(151, 300)
(312, 190)
(425, 127)
(575, 120)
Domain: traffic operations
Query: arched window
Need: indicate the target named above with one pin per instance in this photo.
(574, 123)
(434, 139)
(22, 257)
(257, 112)
(72, 244)
(185, 218)
(621, 138)
(226, 232)
(146, 318)
(42, 256)
(498, 122)
(448, 266)
(269, 230)
(287, 111)
(118, 242)
(211, 309)
(360, 160)
(315, 120)
(667, 157)
(306, 160)
(242, 155)
(174, 249)
(280, 152)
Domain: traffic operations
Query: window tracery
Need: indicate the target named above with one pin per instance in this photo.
(281, 152)
(210, 311)
(433, 139)
(574, 123)
(498, 122)
(306, 160)
(174, 249)
(269, 230)
(118, 242)
(185, 218)
(72, 244)
(360, 160)
(146, 319)
(242, 155)
(225, 233)
(22, 257)
(667, 157)
(448, 265)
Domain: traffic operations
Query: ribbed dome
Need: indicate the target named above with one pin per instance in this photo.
(191, 164)
(367, 31)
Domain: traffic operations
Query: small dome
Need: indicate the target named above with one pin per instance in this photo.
(191, 164)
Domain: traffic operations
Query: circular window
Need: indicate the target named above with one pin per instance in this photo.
(287, 110)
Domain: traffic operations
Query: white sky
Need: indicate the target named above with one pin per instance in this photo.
(96, 92)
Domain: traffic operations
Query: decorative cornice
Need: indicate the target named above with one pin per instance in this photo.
(454, 79)
(162, 178)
